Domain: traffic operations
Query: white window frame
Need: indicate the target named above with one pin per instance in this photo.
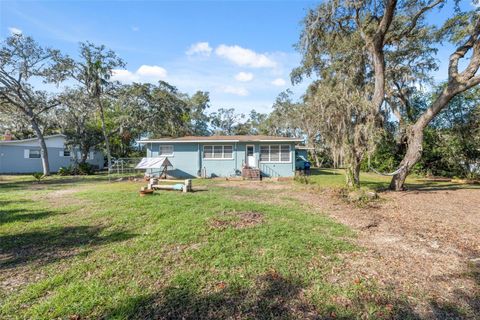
(28, 152)
(63, 153)
(223, 151)
(90, 155)
(279, 154)
(166, 155)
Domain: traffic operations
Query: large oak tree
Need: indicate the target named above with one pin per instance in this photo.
(465, 31)
(22, 63)
(373, 44)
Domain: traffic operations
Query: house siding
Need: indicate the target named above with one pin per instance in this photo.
(188, 161)
(184, 159)
(12, 159)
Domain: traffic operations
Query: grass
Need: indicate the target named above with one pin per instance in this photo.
(101, 251)
(328, 178)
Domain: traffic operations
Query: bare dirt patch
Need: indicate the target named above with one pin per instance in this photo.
(254, 184)
(424, 245)
(61, 198)
(236, 220)
(420, 243)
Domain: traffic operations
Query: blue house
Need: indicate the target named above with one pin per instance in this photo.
(225, 156)
(24, 156)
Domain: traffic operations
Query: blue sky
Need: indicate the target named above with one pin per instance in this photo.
(241, 52)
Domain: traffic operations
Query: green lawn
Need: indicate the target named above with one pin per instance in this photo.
(336, 178)
(101, 251)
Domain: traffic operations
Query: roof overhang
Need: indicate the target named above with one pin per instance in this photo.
(31, 139)
(184, 141)
(215, 141)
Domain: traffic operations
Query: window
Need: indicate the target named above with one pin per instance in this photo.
(34, 154)
(208, 152)
(228, 152)
(218, 152)
(264, 153)
(285, 153)
(275, 153)
(165, 150)
(90, 155)
(65, 153)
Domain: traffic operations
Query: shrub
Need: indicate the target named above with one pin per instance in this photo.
(359, 197)
(65, 171)
(85, 169)
(302, 179)
(80, 169)
(38, 176)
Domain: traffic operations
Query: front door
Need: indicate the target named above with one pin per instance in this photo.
(250, 154)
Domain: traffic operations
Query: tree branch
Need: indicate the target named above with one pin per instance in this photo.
(415, 18)
(472, 82)
(386, 21)
(460, 53)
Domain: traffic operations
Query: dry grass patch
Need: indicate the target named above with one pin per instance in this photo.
(236, 220)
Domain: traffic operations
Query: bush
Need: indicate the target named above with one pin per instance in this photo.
(65, 171)
(85, 169)
(82, 169)
(302, 179)
(38, 176)
(359, 197)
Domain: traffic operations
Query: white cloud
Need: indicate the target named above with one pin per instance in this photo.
(152, 71)
(124, 76)
(244, 76)
(202, 48)
(245, 57)
(279, 82)
(145, 73)
(239, 91)
(14, 30)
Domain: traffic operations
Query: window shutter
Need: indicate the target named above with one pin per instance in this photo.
(26, 153)
(60, 153)
(92, 155)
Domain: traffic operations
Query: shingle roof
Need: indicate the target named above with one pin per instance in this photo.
(31, 139)
(238, 138)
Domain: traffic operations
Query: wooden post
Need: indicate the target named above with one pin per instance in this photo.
(187, 187)
(151, 183)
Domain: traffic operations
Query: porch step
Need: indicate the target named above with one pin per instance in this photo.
(251, 173)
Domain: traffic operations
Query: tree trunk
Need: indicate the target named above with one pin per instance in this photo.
(353, 173)
(415, 138)
(105, 135)
(43, 148)
(379, 71)
(315, 158)
(412, 156)
(84, 154)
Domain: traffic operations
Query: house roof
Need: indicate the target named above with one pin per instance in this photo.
(30, 139)
(238, 138)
